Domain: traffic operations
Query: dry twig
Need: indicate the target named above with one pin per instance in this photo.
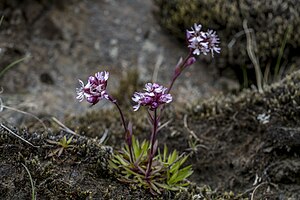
(16, 135)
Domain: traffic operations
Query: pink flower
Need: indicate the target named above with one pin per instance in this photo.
(95, 89)
(154, 96)
(195, 33)
(202, 42)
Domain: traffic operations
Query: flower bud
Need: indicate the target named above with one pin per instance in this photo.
(190, 61)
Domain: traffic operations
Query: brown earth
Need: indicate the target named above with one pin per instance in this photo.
(232, 150)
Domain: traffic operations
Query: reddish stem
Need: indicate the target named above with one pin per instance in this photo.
(181, 68)
(152, 140)
(124, 125)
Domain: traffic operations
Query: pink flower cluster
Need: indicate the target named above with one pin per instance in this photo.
(95, 89)
(202, 42)
(154, 96)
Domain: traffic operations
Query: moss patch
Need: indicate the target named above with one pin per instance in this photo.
(269, 22)
(230, 149)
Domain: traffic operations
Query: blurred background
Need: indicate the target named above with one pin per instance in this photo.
(47, 45)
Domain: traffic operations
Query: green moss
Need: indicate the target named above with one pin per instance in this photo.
(269, 21)
(239, 149)
(281, 97)
(127, 86)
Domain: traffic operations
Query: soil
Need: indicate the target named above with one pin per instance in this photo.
(234, 154)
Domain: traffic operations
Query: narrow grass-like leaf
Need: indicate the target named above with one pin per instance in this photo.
(184, 173)
(11, 65)
(165, 153)
(136, 147)
(122, 160)
(153, 186)
(132, 172)
(176, 165)
(126, 151)
(112, 165)
(172, 179)
(172, 157)
(141, 169)
(69, 140)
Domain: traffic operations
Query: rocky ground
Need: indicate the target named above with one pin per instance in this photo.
(68, 42)
(230, 148)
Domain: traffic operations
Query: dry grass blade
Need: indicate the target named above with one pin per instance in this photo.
(190, 131)
(104, 136)
(16, 135)
(250, 44)
(2, 106)
(164, 124)
(158, 63)
(1, 19)
(11, 65)
(33, 197)
(23, 112)
(1, 102)
(64, 127)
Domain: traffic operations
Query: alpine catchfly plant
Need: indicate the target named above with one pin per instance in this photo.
(154, 96)
(202, 42)
(95, 89)
(144, 164)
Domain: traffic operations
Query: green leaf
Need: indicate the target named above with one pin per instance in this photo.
(112, 164)
(142, 182)
(126, 150)
(141, 169)
(63, 142)
(69, 140)
(182, 185)
(122, 160)
(136, 147)
(116, 161)
(132, 172)
(172, 179)
(175, 166)
(159, 156)
(153, 186)
(145, 146)
(183, 174)
(157, 170)
(140, 158)
(165, 186)
(165, 153)
(183, 160)
(172, 157)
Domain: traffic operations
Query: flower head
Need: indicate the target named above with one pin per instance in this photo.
(202, 42)
(154, 96)
(95, 89)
